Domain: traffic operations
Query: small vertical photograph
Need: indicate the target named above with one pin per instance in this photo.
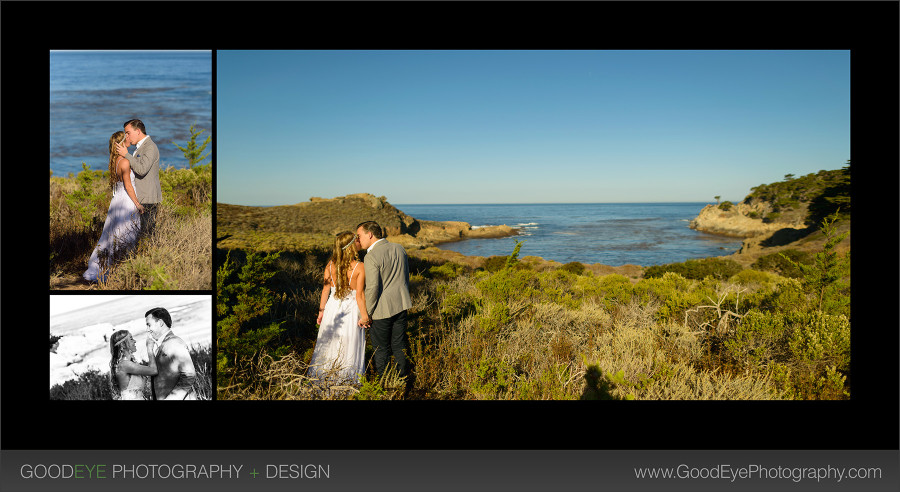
(131, 347)
(131, 157)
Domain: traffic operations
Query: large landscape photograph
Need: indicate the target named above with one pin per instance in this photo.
(549, 225)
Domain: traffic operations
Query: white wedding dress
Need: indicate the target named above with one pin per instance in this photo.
(339, 356)
(134, 390)
(120, 231)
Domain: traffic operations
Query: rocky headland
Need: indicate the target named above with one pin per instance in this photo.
(742, 220)
(314, 224)
(777, 217)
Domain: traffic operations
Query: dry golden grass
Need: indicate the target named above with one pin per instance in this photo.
(177, 256)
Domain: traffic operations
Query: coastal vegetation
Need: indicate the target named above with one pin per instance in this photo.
(704, 329)
(819, 195)
(178, 255)
(94, 384)
(769, 322)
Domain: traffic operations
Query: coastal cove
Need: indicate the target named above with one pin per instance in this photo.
(612, 234)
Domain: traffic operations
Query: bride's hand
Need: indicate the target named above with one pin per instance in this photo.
(140, 208)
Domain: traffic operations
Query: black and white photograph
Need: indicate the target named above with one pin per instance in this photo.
(130, 347)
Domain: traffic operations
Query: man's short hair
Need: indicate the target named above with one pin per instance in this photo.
(161, 314)
(136, 124)
(373, 227)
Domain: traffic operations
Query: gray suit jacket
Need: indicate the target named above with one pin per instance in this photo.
(387, 280)
(145, 164)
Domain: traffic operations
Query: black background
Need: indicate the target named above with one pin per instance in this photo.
(868, 29)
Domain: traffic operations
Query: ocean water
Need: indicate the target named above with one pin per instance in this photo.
(613, 234)
(93, 93)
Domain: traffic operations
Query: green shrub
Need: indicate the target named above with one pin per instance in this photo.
(726, 206)
(447, 271)
(718, 268)
(90, 199)
(824, 277)
(492, 318)
(757, 340)
(494, 263)
(245, 326)
(784, 263)
(771, 217)
(821, 340)
(750, 277)
(611, 289)
(456, 305)
(508, 284)
(492, 378)
(675, 293)
(573, 267)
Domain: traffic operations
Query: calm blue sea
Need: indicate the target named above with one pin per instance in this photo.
(613, 234)
(93, 93)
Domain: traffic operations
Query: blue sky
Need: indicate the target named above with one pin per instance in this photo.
(525, 126)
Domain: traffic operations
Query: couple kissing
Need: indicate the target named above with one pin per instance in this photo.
(134, 180)
(374, 297)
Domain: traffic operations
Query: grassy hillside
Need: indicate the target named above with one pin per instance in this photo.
(773, 326)
(816, 195)
(177, 256)
(509, 331)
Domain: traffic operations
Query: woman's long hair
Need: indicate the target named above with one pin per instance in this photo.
(117, 353)
(341, 257)
(116, 138)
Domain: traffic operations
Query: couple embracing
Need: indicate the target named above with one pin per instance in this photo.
(134, 179)
(375, 296)
(170, 366)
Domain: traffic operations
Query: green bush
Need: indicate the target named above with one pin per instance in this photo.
(573, 267)
(456, 305)
(725, 206)
(757, 340)
(821, 340)
(750, 277)
(784, 263)
(676, 294)
(243, 301)
(494, 263)
(493, 378)
(718, 268)
(89, 201)
(447, 271)
(509, 284)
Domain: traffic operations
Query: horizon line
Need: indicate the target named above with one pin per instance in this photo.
(504, 203)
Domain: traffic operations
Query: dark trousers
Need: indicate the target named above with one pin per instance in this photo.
(148, 218)
(388, 335)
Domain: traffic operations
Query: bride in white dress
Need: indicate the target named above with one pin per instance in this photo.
(123, 220)
(339, 356)
(126, 376)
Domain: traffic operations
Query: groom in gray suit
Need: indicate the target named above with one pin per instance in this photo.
(145, 164)
(387, 296)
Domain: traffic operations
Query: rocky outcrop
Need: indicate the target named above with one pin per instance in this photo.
(320, 218)
(739, 221)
